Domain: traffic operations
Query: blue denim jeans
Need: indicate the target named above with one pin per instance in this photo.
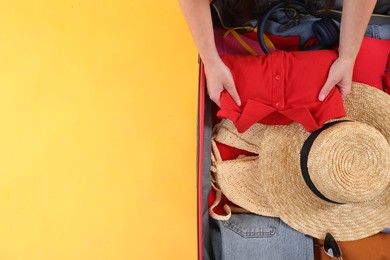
(250, 236)
(280, 24)
(381, 32)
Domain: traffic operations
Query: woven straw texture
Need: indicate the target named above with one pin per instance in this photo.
(300, 208)
(355, 160)
(229, 174)
(226, 133)
(229, 177)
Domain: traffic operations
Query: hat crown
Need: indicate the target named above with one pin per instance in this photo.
(349, 163)
(281, 180)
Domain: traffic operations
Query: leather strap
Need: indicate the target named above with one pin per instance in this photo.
(376, 19)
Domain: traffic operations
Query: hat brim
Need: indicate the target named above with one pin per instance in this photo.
(228, 175)
(281, 181)
(298, 206)
(369, 105)
(231, 175)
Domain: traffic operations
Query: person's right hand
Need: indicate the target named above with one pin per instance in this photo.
(219, 78)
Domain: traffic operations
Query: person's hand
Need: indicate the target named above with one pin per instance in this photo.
(219, 78)
(340, 74)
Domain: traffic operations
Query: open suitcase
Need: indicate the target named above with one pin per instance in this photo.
(206, 114)
(203, 167)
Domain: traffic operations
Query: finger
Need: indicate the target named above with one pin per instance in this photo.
(231, 89)
(329, 84)
(345, 90)
(215, 96)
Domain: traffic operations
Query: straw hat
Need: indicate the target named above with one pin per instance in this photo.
(225, 172)
(347, 164)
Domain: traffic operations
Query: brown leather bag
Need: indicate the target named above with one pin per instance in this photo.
(376, 247)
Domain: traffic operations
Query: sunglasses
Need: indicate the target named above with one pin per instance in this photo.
(331, 248)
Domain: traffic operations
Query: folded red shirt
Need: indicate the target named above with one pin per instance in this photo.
(280, 88)
(286, 43)
(371, 62)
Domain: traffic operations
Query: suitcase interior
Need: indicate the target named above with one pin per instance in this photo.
(204, 128)
(203, 167)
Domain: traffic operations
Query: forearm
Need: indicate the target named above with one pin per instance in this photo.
(198, 17)
(354, 21)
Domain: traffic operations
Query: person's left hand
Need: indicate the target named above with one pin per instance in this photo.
(340, 75)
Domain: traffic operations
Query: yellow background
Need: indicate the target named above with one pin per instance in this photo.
(98, 107)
